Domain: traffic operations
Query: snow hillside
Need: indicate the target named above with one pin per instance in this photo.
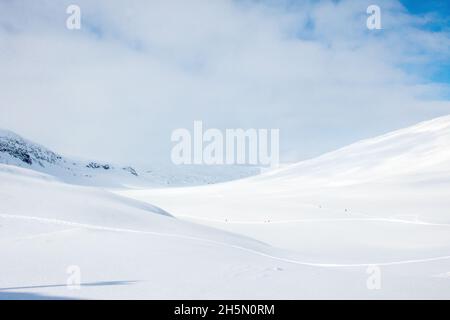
(414, 154)
(383, 201)
(15, 150)
(125, 249)
(136, 248)
(401, 173)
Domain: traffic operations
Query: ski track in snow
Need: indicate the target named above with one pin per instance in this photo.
(287, 260)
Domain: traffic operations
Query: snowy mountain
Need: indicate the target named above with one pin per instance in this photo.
(18, 151)
(15, 150)
(417, 153)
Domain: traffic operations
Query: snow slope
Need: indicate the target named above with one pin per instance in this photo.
(312, 230)
(140, 250)
(383, 201)
(130, 250)
(416, 154)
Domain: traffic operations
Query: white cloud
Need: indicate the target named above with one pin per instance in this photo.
(136, 71)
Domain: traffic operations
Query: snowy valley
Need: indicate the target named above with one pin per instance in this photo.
(316, 229)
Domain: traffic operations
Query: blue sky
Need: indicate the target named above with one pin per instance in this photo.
(440, 7)
(440, 11)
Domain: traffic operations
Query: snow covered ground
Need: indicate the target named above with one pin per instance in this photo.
(317, 229)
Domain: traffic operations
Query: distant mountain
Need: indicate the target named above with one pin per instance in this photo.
(17, 151)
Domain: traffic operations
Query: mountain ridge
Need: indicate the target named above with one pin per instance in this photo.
(18, 151)
(423, 148)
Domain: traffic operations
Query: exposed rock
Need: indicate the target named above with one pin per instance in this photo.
(25, 151)
(95, 165)
(131, 170)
